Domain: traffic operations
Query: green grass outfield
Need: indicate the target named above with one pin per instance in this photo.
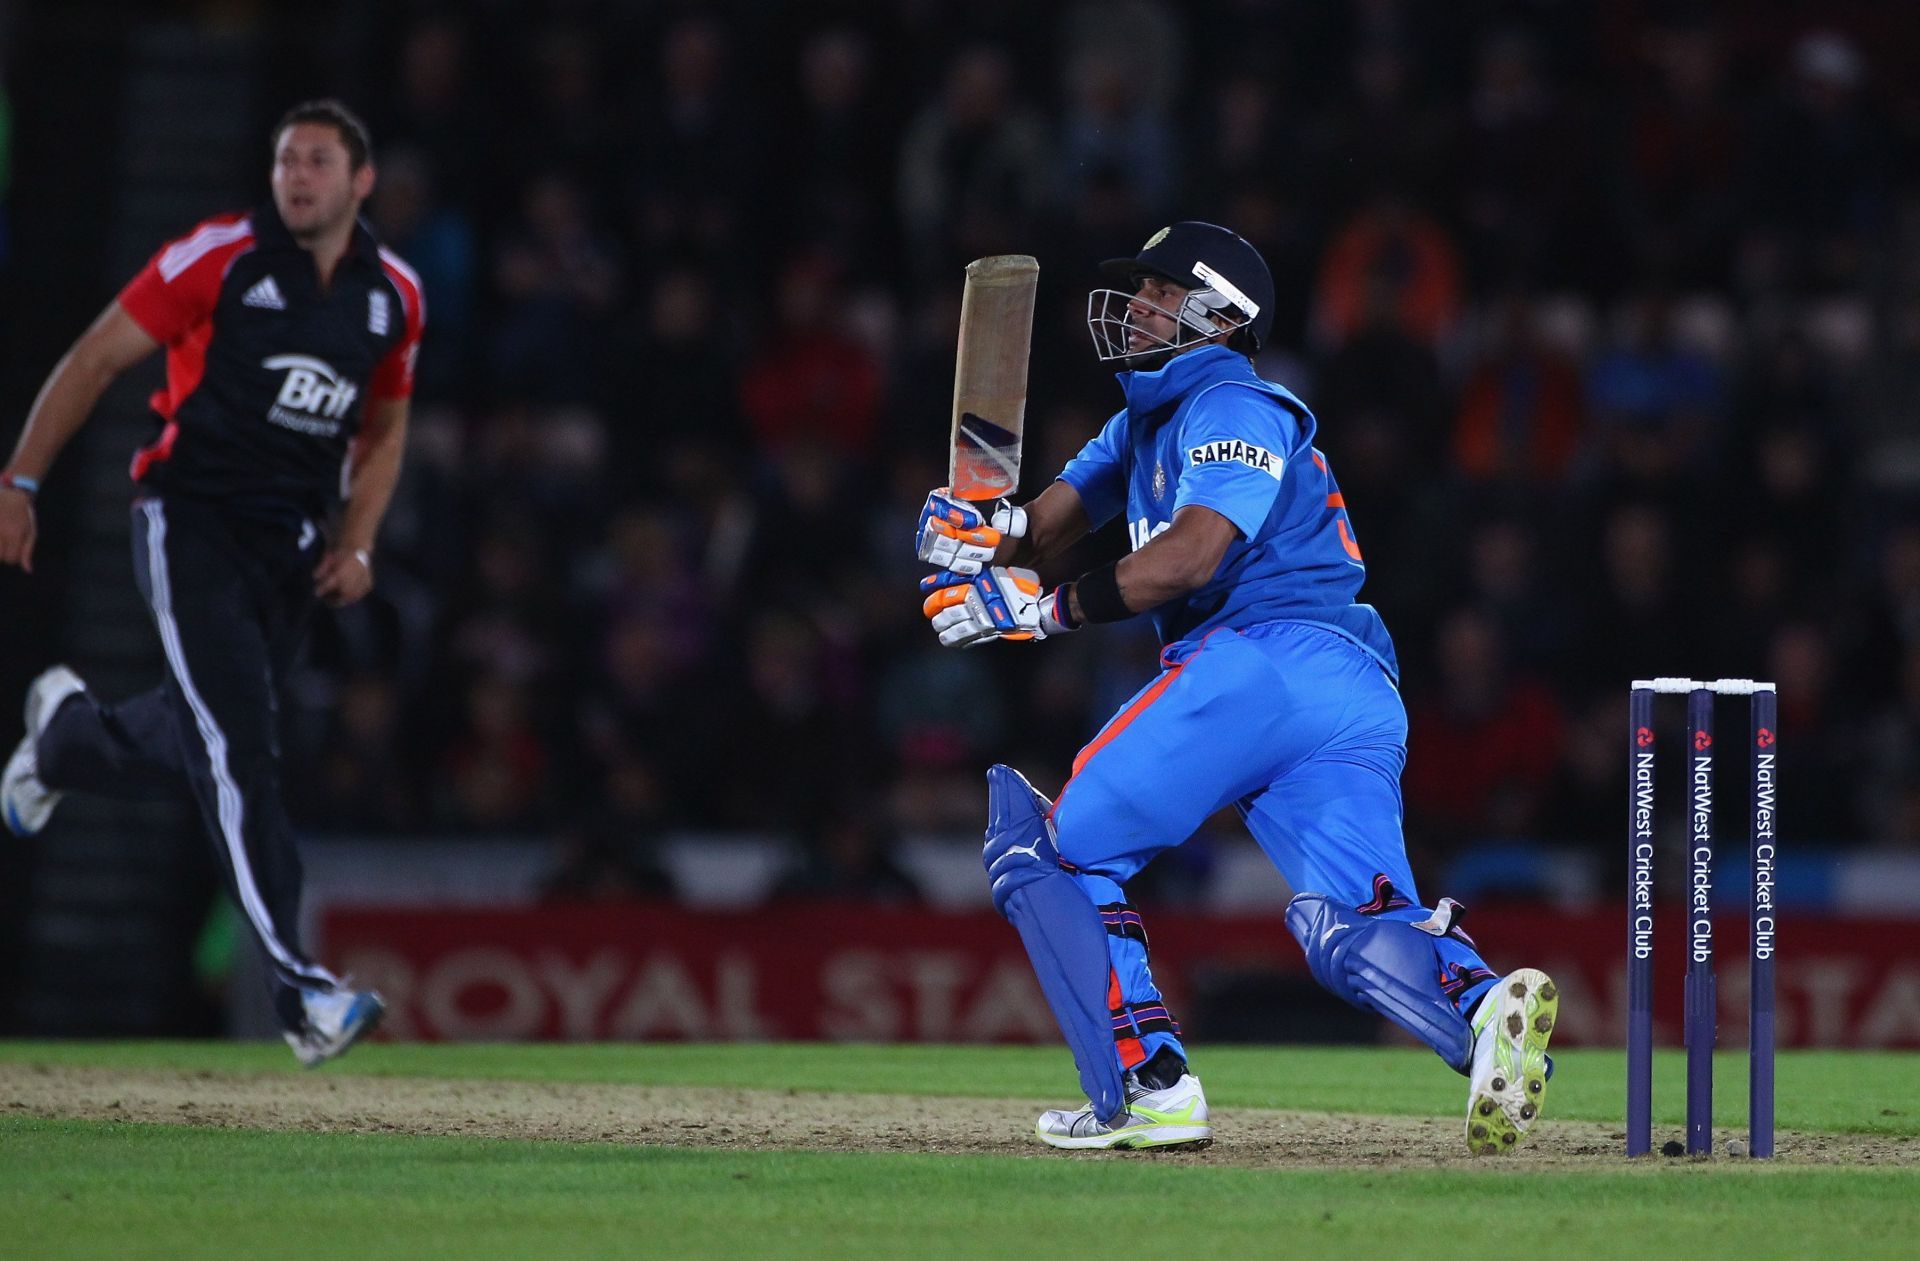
(72, 1188)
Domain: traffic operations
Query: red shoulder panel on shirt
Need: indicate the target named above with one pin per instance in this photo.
(393, 376)
(180, 284)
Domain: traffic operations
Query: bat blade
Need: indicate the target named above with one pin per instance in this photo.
(990, 376)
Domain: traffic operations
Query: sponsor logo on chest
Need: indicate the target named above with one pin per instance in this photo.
(314, 398)
(264, 296)
(1235, 451)
(379, 312)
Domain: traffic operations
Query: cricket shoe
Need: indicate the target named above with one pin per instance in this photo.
(25, 803)
(1510, 1063)
(336, 1019)
(1174, 1117)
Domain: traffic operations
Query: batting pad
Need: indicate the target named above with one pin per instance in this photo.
(1383, 965)
(1059, 926)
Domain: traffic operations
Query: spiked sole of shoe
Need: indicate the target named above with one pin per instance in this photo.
(1504, 1106)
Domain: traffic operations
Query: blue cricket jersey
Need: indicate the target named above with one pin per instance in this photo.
(1207, 430)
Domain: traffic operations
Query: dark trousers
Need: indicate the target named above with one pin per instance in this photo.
(231, 600)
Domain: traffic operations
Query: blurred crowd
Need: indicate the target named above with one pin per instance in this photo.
(1610, 315)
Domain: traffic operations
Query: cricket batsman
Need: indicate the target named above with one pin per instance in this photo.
(1277, 694)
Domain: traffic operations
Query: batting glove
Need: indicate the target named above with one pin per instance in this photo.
(960, 537)
(1000, 603)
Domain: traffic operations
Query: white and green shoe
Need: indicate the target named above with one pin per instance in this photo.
(1174, 1117)
(1510, 1066)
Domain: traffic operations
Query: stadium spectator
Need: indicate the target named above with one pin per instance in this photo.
(366, 781)
(439, 109)
(810, 383)
(1678, 186)
(1114, 131)
(1819, 173)
(1395, 254)
(1655, 402)
(1521, 412)
(494, 777)
(689, 185)
(438, 236)
(610, 850)
(974, 167)
(849, 855)
(1523, 180)
(563, 118)
(796, 746)
(671, 358)
(558, 279)
(1381, 132)
(1889, 798)
(834, 163)
(1827, 753)
(1483, 742)
(1883, 398)
(1382, 374)
(1635, 608)
(1885, 627)
(1503, 577)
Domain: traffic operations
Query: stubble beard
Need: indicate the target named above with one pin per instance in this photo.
(1155, 353)
(1149, 360)
(322, 228)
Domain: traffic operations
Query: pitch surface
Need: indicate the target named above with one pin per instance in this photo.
(793, 1120)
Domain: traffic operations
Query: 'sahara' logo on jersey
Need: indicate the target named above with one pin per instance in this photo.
(313, 399)
(1233, 450)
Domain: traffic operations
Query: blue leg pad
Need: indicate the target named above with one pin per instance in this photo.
(1382, 965)
(1060, 928)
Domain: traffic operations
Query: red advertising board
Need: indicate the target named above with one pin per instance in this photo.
(838, 972)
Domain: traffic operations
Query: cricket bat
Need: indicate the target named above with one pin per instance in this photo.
(990, 376)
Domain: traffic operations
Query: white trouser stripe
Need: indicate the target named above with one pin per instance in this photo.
(232, 804)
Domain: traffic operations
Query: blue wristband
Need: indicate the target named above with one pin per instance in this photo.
(28, 486)
(1063, 607)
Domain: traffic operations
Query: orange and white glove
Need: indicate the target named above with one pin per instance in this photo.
(962, 537)
(1000, 603)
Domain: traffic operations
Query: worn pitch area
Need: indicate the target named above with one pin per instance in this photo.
(799, 1120)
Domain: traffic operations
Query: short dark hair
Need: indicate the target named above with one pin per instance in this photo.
(330, 112)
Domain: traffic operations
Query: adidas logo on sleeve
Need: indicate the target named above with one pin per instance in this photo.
(265, 295)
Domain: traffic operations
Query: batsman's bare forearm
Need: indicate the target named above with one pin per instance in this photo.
(1175, 563)
(113, 344)
(1056, 520)
(378, 454)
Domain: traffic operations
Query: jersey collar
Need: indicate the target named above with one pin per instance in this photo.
(1150, 391)
(271, 232)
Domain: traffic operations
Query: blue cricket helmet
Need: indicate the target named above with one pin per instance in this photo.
(1206, 257)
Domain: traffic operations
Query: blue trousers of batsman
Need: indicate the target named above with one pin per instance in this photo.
(1303, 733)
